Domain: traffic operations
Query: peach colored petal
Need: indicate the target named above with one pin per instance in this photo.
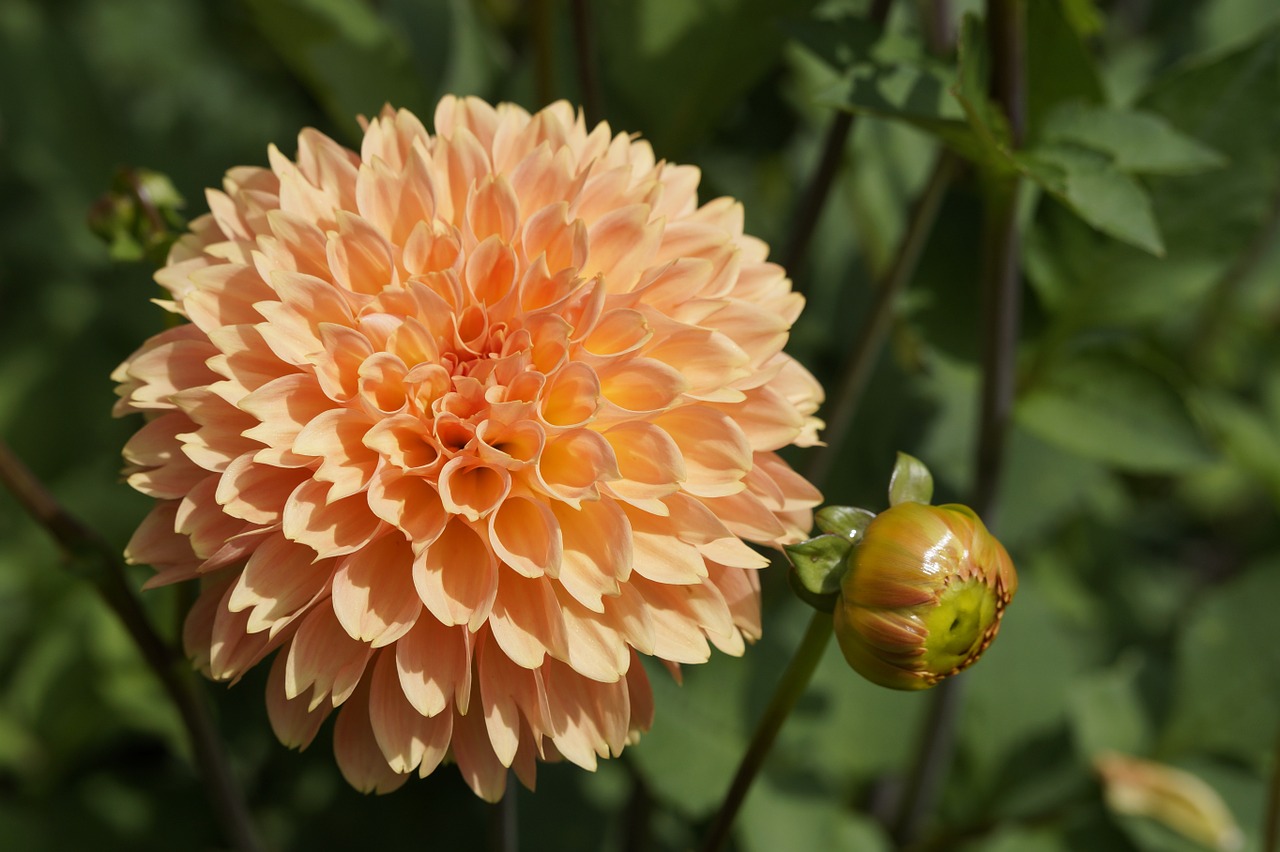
(597, 550)
(508, 693)
(526, 620)
(407, 739)
(158, 544)
(411, 504)
(472, 489)
(472, 749)
(469, 419)
(716, 453)
(336, 437)
(457, 576)
(525, 535)
(355, 747)
(294, 721)
(256, 492)
(329, 528)
(324, 658)
(434, 665)
(373, 594)
(279, 582)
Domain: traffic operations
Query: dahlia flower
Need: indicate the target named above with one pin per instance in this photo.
(457, 427)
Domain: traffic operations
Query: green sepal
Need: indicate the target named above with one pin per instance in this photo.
(822, 603)
(847, 521)
(910, 482)
(820, 563)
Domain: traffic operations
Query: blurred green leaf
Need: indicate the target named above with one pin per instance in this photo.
(348, 57)
(704, 716)
(1106, 711)
(1136, 141)
(780, 816)
(1091, 186)
(672, 69)
(1018, 690)
(1108, 407)
(1060, 67)
(1227, 681)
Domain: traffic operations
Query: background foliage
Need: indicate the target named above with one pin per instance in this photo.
(1139, 500)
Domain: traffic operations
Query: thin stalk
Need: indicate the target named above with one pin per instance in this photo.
(870, 338)
(1006, 22)
(816, 192)
(543, 25)
(1271, 823)
(1218, 306)
(585, 50)
(97, 561)
(506, 819)
(794, 681)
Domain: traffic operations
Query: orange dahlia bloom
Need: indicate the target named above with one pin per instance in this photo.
(461, 424)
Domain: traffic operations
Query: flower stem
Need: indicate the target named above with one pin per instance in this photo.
(587, 80)
(543, 25)
(870, 338)
(1006, 21)
(93, 558)
(818, 189)
(1271, 824)
(790, 688)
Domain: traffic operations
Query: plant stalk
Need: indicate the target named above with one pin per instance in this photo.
(102, 566)
(792, 685)
(588, 82)
(871, 336)
(816, 192)
(1002, 296)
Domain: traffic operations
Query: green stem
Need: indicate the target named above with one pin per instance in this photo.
(543, 25)
(869, 339)
(1271, 823)
(794, 681)
(103, 567)
(587, 82)
(816, 192)
(1006, 22)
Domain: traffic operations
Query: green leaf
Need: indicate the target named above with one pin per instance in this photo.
(918, 94)
(1106, 711)
(1060, 66)
(820, 563)
(346, 55)
(842, 520)
(674, 71)
(1096, 191)
(704, 716)
(910, 481)
(797, 816)
(839, 41)
(1108, 407)
(1136, 141)
(1226, 696)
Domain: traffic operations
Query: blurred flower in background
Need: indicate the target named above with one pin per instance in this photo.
(458, 427)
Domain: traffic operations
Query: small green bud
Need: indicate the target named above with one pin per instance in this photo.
(923, 596)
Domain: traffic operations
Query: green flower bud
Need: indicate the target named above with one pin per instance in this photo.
(923, 596)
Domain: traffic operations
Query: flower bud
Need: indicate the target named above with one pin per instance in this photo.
(923, 596)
